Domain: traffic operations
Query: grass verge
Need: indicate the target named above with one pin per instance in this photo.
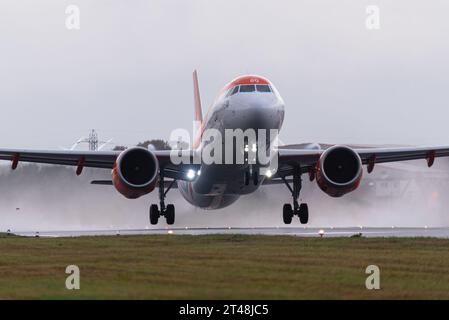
(223, 267)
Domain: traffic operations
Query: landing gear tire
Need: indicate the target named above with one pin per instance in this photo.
(170, 214)
(303, 213)
(154, 214)
(300, 210)
(287, 213)
(167, 211)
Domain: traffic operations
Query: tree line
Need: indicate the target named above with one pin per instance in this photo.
(158, 144)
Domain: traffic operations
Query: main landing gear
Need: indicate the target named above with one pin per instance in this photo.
(167, 211)
(300, 210)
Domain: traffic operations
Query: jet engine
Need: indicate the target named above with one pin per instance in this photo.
(339, 171)
(135, 172)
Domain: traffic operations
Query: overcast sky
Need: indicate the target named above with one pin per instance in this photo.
(127, 71)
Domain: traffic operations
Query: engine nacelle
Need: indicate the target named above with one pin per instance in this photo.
(135, 172)
(339, 171)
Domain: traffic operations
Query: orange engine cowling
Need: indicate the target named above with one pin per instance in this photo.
(339, 171)
(135, 172)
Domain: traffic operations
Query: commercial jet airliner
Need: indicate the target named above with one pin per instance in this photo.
(246, 103)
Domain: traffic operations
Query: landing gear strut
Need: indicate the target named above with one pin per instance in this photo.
(167, 211)
(300, 210)
(251, 174)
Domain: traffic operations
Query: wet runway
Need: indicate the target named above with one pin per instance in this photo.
(291, 231)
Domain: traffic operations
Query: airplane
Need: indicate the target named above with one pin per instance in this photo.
(247, 102)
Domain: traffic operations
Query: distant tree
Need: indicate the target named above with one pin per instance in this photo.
(182, 145)
(158, 144)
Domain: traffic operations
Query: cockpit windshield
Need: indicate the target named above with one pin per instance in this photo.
(263, 88)
(247, 88)
(235, 90)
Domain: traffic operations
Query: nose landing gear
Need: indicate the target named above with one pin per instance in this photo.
(166, 211)
(251, 175)
(300, 210)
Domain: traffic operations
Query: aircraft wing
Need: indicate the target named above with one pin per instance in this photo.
(288, 157)
(93, 159)
(307, 158)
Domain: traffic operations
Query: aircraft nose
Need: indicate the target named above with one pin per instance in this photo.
(256, 114)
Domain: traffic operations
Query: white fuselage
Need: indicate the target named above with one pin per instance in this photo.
(219, 185)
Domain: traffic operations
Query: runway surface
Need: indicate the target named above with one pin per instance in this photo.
(291, 231)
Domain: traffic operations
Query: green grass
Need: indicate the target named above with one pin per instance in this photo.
(4, 235)
(223, 267)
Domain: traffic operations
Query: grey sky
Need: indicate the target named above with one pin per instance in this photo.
(127, 71)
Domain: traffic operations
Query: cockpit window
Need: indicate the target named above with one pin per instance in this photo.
(232, 91)
(247, 88)
(263, 88)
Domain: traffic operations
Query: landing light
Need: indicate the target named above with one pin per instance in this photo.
(199, 172)
(254, 148)
(190, 174)
(268, 173)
